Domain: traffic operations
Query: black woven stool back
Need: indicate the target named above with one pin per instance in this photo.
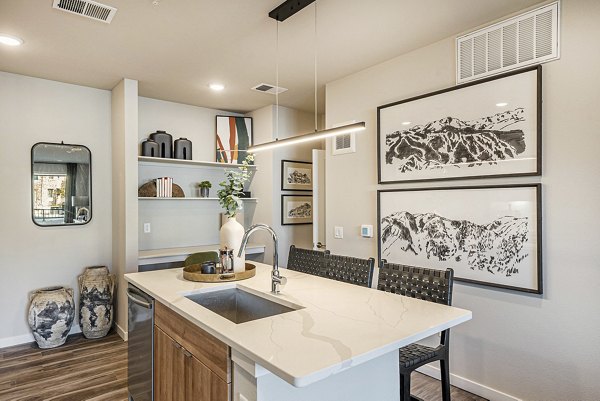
(350, 270)
(306, 260)
(416, 282)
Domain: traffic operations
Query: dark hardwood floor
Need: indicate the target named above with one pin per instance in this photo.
(96, 370)
(80, 370)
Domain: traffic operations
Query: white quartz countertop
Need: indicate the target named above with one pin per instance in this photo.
(340, 326)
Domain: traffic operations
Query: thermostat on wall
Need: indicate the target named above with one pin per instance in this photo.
(366, 231)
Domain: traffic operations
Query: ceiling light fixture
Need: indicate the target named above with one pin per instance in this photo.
(502, 104)
(280, 14)
(10, 40)
(406, 123)
(216, 87)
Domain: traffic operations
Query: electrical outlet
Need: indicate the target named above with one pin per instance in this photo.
(147, 228)
(339, 232)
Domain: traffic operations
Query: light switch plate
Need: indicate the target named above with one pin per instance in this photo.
(339, 232)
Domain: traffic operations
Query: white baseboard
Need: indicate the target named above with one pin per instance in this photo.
(122, 333)
(28, 338)
(469, 385)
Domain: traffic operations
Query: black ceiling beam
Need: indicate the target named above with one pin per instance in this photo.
(288, 8)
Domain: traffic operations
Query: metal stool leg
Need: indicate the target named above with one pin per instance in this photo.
(405, 387)
(445, 373)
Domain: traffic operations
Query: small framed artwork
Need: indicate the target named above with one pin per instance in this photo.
(296, 209)
(296, 176)
(234, 137)
(482, 129)
(496, 241)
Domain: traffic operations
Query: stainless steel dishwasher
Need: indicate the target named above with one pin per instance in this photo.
(140, 345)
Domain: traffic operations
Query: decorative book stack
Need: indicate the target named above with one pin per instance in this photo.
(164, 187)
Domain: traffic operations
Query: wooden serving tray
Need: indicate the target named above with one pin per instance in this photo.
(192, 273)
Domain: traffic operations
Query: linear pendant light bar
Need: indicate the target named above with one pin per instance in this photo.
(345, 129)
(288, 8)
(281, 13)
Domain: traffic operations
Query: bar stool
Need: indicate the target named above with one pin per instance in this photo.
(429, 285)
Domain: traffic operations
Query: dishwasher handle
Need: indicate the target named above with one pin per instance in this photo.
(134, 295)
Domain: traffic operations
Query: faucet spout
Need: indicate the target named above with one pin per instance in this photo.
(276, 279)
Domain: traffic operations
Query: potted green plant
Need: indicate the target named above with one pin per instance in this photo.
(204, 188)
(230, 200)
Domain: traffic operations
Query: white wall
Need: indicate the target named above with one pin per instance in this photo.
(198, 124)
(531, 347)
(267, 183)
(34, 110)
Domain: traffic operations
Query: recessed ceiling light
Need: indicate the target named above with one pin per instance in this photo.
(406, 123)
(502, 104)
(217, 87)
(10, 40)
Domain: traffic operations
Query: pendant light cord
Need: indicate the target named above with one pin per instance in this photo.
(277, 83)
(316, 125)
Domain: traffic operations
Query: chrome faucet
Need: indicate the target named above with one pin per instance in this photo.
(276, 279)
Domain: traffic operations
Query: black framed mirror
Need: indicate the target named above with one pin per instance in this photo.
(61, 184)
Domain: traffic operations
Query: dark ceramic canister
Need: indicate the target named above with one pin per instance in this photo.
(150, 148)
(183, 149)
(165, 143)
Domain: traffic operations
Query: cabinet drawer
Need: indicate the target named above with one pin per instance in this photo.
(206, 348)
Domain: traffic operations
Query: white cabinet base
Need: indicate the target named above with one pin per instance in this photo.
(378, 379)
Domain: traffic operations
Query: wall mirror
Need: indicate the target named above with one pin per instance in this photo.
(61, 184)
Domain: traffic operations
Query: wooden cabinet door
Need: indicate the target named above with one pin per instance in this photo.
(169, 368)
(202, 384)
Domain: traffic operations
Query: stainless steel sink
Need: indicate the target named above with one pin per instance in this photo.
(238, 305)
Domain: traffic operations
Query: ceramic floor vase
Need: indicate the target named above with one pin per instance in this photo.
(51, 313)
(96, 289)
(231, 236)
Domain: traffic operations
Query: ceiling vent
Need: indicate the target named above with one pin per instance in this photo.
(267, 88)
(526, 39)
(87, 8)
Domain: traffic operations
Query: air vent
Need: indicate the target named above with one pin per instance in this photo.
(344, 144)
(529, 38)
(266, 88)
(86, 8)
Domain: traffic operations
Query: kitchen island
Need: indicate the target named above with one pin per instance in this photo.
(338, 341)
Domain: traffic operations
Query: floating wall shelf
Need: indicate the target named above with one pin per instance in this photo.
(145, 160)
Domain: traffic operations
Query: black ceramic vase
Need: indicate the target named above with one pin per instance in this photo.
(165, 143)
(183, 149)
(150, 148)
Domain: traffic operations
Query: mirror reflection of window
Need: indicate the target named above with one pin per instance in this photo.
(61, 184)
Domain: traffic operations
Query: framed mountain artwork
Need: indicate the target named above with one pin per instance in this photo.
(482, 129)
(496, 241)
(234, 137)
(296, 176)
(296, 209)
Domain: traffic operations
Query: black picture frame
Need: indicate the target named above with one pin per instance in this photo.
(250, 136)
(402, 232)
(423, 151)
(90, 200)
(285, 221)
(289, 187)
